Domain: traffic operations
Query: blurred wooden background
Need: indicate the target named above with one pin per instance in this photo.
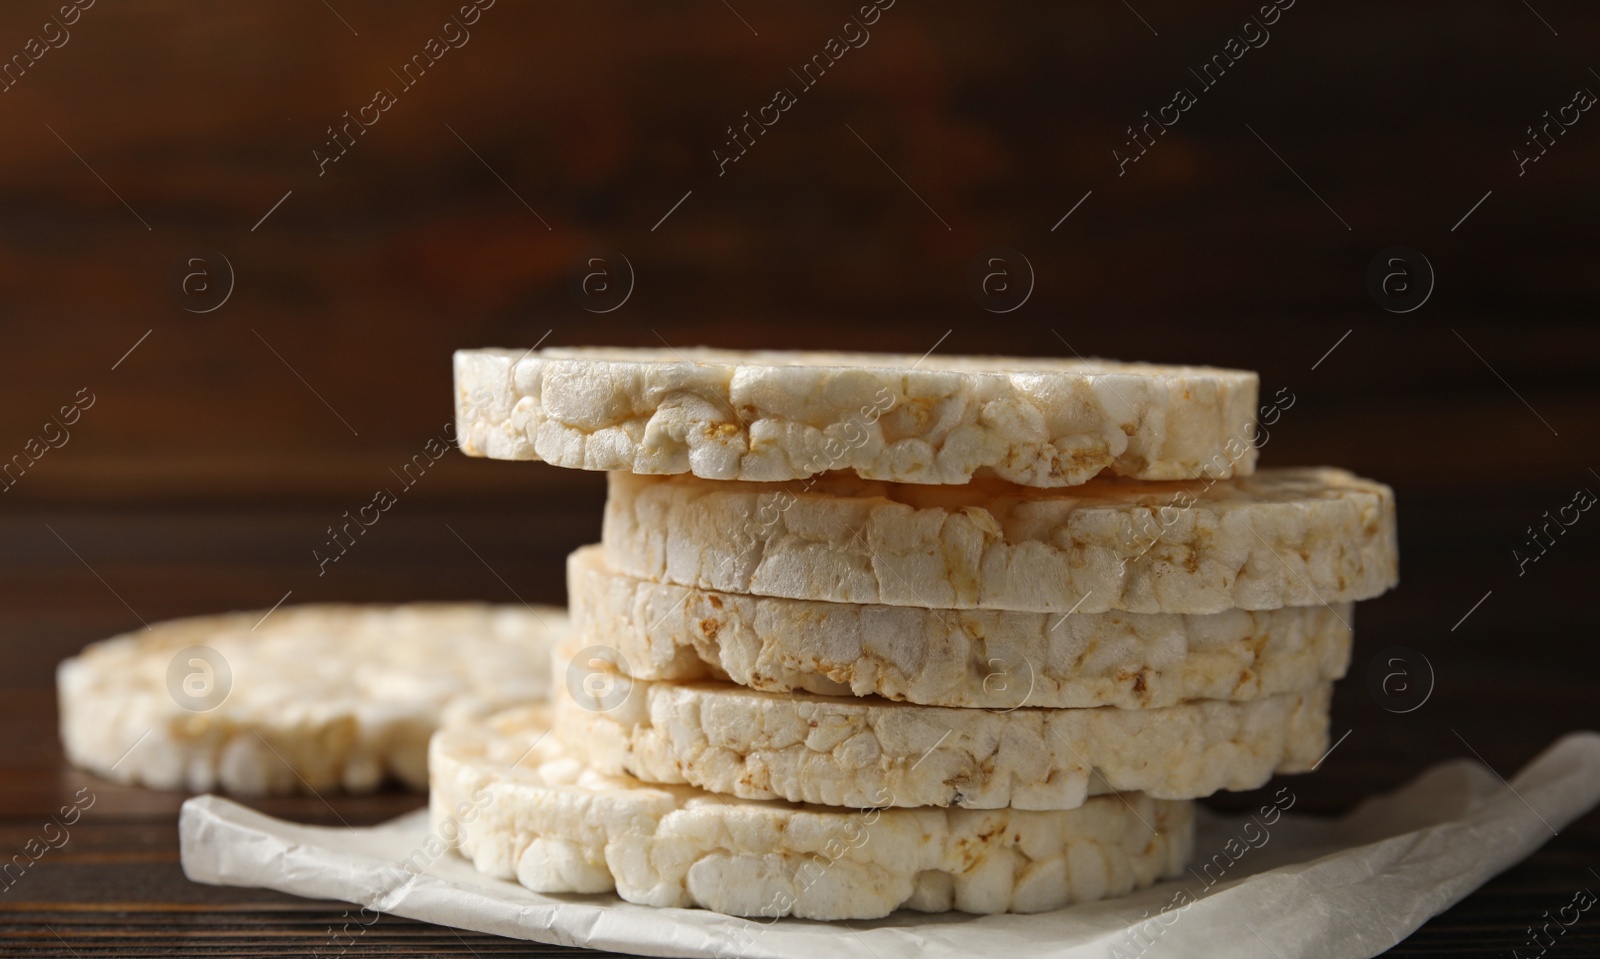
(218, 450)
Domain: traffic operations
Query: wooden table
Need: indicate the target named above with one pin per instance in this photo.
(166, 137)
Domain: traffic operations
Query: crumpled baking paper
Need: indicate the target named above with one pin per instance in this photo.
(1259, 886)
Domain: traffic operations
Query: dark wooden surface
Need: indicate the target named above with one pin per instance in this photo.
(220, 447)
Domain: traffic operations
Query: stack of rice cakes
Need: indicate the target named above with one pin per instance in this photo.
(869, 632)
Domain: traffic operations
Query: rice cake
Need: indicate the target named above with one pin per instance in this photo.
(989, 659)
(312, 697)
(853, 752)
(765, 416)
(509, 799)
(1283, 537)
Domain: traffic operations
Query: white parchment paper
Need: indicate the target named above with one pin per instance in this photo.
(1297, 886)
